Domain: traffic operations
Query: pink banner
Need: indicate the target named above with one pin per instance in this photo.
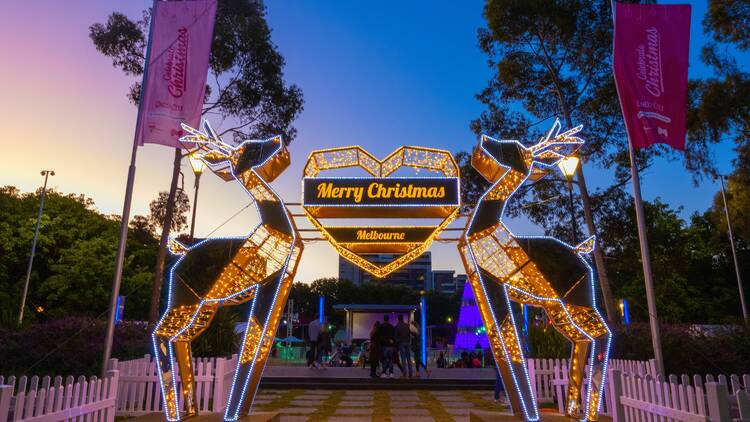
(175, 78)
(651, 67)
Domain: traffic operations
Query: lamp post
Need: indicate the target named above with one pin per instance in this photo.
(734, 253)
(568, 166)
(46, 174)
(198, 166)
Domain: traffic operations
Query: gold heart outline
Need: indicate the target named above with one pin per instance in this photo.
(430, 159)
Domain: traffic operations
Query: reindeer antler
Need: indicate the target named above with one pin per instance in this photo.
(213, 151)
(555, 141)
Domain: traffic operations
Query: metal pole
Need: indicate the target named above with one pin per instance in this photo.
(120, 258)
(573, 212)
(195, 204)
(423, 328)
(734, 253)
(646, 260)
(46, 174)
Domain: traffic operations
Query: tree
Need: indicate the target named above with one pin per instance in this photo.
(158, 209)
(548, 58)
(75, 251)
(246, 68)
(247, 88)
(690, 259)
(729, 22)
(554, 58)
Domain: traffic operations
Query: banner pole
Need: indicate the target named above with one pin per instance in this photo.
(120, 258)
(734, 253)
(646, 261)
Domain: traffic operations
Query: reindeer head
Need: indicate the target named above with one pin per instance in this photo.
(493, 158)
(268, 158)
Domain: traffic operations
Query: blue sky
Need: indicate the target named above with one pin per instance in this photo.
(378, 74)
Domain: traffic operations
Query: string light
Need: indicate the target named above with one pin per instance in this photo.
(434, 160)
(495, 251)
(268, 255)
(271, 253)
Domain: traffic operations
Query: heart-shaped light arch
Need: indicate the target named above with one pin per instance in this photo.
(419, 158)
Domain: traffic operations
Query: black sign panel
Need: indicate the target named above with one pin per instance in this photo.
(380, 234)
(381, 192)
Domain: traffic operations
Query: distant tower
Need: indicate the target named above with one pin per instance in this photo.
(470, 329)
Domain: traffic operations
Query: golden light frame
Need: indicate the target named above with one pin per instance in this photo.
(419, 158)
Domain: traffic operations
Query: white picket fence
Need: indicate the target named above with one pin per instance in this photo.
(642, 398)
(132, 389)
(54, 400)
(634, 394)
(139, 390)
(550, 376)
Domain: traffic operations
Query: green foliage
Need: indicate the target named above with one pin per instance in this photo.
(74, 260)
(545, 342)
(67, 346)
(687, 349)
(158, 208)
(728, 21)
(220, 338)
(694, 282)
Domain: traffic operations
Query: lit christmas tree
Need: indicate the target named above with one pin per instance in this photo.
(470, 329)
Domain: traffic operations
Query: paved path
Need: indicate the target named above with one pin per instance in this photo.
(374, 405)
(364, 373)
(363, 405)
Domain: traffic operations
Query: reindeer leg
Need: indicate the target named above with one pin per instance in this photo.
(505, 344)
(164, 356)
(598, 358)
(268, 303)
(574, 407)
(187, 377)
(171, 339)
(588, 332)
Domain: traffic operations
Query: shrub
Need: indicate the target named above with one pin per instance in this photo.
(67, 346)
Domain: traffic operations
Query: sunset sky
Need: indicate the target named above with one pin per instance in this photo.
(380, 75)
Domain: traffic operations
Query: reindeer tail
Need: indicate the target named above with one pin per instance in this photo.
(587, 246)
(176, 247)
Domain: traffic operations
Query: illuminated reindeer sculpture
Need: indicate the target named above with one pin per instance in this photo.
(229, 271)
(537, 271)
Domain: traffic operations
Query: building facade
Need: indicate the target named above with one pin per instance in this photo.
(416, 275)
(444, 282)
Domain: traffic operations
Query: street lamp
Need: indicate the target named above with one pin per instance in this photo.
(568, 166)
(46, 174)
(198, 166)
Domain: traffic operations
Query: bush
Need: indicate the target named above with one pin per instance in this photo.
(687, 349)
(67, 346)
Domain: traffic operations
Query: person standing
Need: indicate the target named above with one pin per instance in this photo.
(386, 334)
(324, 344)
(416, 343)
(375, 349)
(440, 362)
(313, 334)
(403, 340)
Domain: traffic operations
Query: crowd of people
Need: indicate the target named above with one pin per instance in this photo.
(389, 346)
(397, 345)
(467, 360)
